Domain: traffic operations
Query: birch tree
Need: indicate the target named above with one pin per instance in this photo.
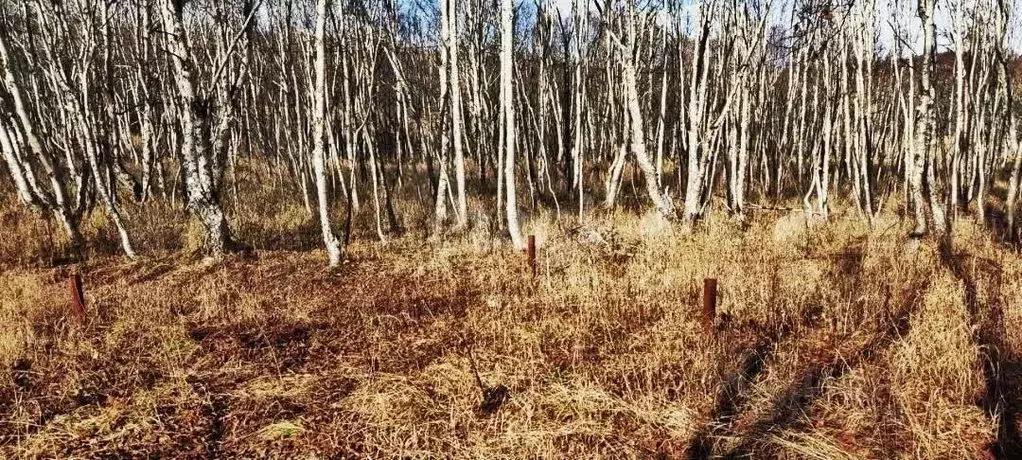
(55, 198)
(636, 128)
(199, 167)
(508, 120)
(333, 245)
(922, 179)
(214, 104)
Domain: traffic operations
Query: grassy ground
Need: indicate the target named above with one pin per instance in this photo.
(842, 342)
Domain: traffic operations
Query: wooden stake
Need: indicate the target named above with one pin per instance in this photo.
(709, 300)
(77, 296)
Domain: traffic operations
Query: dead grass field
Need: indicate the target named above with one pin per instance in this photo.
(836, 343)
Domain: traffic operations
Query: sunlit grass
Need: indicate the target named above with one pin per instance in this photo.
(831, 341)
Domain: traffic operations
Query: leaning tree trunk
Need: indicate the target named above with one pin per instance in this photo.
(55, 198)
(19, 172)
(91, 133)
(637, 134)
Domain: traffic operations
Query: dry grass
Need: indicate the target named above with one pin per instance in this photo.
(842, 342)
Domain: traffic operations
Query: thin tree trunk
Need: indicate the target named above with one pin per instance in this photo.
(508, 109)
(333, 245)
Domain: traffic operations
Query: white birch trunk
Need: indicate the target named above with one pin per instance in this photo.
(202, 198)
(333, 245)
(456, 112)
(508, 109)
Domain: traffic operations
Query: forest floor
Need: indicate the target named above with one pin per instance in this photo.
(842, 342)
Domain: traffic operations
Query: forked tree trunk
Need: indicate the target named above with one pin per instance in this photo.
(636, 130)
(202, 197)
(696, 104)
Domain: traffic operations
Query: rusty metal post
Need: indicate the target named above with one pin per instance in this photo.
(709, 300)
(77, 296)
(531, 248)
